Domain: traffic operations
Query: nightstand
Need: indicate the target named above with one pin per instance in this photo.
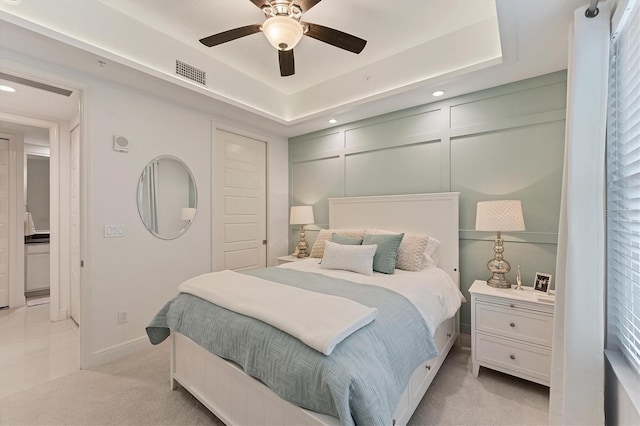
(511, 331)
(289, 258)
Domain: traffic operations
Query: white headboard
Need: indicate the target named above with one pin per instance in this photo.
(432, 214)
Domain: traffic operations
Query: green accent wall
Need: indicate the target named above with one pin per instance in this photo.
(506, 142)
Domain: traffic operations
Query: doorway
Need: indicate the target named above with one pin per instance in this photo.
(21, 115)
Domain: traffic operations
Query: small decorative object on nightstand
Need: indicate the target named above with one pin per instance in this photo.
(301, 215)
(519, 279)
(511, 332)
(499, 216)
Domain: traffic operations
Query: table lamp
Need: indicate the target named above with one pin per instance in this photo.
(301, 215)
(499, 216)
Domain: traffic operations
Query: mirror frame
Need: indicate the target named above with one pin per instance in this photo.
(139, 196)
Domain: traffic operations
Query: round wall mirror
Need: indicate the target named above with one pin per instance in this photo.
(167, 197)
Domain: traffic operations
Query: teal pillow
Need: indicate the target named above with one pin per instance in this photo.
(345, 240)
(385, 259)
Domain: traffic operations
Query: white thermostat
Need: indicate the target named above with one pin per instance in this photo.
(120, 144)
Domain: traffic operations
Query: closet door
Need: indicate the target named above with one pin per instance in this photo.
(240, 202)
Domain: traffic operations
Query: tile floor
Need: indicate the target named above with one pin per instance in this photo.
(34, 350)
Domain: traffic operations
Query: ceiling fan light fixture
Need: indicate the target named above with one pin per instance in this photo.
(282, 32)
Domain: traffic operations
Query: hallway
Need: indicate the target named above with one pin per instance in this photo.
(34, 350)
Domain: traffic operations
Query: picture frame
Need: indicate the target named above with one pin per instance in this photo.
(542, 282)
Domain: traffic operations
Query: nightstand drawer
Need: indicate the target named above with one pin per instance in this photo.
(514, 357)
(533, 327)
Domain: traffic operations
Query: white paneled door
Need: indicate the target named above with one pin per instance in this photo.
(4, 222)
(240, 202)
(75, 226)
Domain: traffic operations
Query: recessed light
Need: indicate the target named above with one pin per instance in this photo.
(333, 121)
(438, 93)
(7, 88)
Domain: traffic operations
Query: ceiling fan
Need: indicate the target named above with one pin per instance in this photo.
(284, 30)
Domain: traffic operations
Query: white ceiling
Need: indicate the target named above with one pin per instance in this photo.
(414, 47)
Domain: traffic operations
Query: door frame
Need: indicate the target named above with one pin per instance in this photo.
(16, 66)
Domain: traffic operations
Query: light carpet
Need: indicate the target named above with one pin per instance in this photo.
(135, 391)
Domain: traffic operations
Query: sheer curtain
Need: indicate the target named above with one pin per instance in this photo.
(577, 368)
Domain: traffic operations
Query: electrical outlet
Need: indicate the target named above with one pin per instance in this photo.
(122, 317)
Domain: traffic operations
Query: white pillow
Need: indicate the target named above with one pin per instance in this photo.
(349, 258)
(431, 254)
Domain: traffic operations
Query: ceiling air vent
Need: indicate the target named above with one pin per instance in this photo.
(191, 72)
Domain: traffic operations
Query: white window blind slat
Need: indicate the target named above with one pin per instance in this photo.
(623, 194)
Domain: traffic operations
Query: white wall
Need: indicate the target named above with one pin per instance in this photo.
(139, 273)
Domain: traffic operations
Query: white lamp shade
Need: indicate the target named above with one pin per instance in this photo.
(188, 213)
(301, 215)
(282, 32)
(500, 215)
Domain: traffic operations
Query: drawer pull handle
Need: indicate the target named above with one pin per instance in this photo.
(512, 324)
(511, 305)
(448, 334)
(512, 356)
(428, 367)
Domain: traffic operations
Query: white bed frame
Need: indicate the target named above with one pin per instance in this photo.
(238, 399)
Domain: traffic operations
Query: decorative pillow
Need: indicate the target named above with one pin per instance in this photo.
(325, 234)
(431, 254)
(385, 259)
(411, 249)
(345, 240)
(411, 253)
(349, 257)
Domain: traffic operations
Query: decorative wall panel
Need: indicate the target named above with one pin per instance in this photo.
(500, 143)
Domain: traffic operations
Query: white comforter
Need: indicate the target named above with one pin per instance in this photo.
(298, 312)
(432, 291)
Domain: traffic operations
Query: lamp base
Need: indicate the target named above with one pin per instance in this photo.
(498, 280)
(498, 266)
(301, 247)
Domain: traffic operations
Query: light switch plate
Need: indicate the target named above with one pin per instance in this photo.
(113, 231)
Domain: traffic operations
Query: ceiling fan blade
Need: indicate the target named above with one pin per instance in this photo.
(287, 66)
(335, 38)
(223, 37)
(305, 4)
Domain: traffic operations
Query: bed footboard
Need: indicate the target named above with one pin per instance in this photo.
(238, 399)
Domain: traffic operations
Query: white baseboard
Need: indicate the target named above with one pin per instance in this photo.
(116, 352)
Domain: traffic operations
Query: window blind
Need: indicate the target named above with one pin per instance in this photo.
(623, 192)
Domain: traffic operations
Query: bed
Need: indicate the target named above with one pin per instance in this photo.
(238, 398)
